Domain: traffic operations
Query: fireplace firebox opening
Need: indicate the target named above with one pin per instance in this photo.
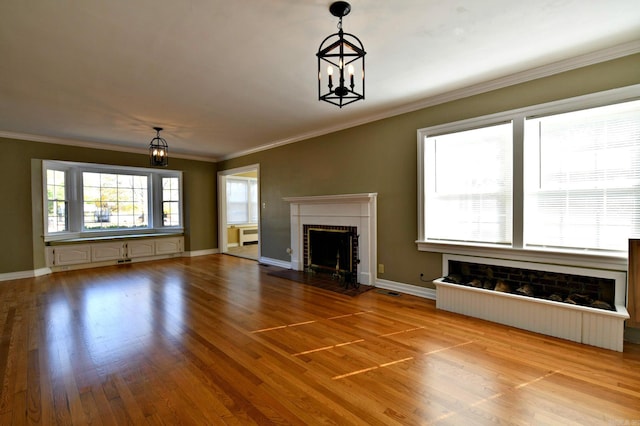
(575, 289)
(332, 250)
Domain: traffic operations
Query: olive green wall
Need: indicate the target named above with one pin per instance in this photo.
(376, 157)
(382, 157)
(22, 234)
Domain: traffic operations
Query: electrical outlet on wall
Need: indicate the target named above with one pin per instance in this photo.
(381, 268)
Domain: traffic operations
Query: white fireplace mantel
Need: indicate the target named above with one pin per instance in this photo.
(357, 210)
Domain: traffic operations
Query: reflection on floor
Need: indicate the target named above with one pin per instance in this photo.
(248, 251)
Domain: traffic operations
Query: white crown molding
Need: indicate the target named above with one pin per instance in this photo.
(98, 145)
(548, 70)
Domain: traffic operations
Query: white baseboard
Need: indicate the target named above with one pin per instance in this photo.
(18, 275)
(42, 271)
(427, 293)
(200, 252)
(46, 271)
(275, 262)
(24, 274)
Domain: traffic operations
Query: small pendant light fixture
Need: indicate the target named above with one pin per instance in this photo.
(158, 150)
(342, 53)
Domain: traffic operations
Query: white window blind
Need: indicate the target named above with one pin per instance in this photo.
(468, 185)
(582, 178)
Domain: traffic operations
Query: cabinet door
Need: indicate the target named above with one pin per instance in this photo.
(71, 255)
(140, 248)
(107, 251)
(169, 245)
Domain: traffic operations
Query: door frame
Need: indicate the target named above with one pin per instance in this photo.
(222, 205)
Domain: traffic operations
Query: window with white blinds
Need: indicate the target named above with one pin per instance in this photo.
(468, 185)
(561, 178)
(242, 200)
(582, 178)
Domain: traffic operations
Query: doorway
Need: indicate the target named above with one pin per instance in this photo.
(239, 212)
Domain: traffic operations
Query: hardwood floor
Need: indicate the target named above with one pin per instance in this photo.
(215, 340)
(248, 251)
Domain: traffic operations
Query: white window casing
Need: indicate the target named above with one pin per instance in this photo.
(602, 171)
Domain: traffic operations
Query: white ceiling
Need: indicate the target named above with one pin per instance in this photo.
(225, 78)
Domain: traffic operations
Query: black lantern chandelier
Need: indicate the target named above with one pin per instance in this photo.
(342, 53)
(158, 150)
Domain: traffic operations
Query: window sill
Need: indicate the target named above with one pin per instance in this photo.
(567, 258)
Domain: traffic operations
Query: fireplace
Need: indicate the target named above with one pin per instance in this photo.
(332, 250)
(355, 213)
(580, 304)
(584, 290)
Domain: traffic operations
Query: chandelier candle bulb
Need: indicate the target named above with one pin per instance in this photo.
(351, 72)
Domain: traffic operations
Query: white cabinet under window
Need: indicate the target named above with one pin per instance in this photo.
(107, 251)
(168, 246)
(69, 255)
(113, 251)
(142, 248)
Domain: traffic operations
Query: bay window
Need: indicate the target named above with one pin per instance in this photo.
(90, 200)
(114, 201)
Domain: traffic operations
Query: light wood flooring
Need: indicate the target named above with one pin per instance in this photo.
(248, 251)
(215, 340)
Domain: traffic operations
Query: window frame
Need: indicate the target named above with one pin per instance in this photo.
(434, 175)
(162, 201)
(74, 190)
(252, 209)
(517, 250)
